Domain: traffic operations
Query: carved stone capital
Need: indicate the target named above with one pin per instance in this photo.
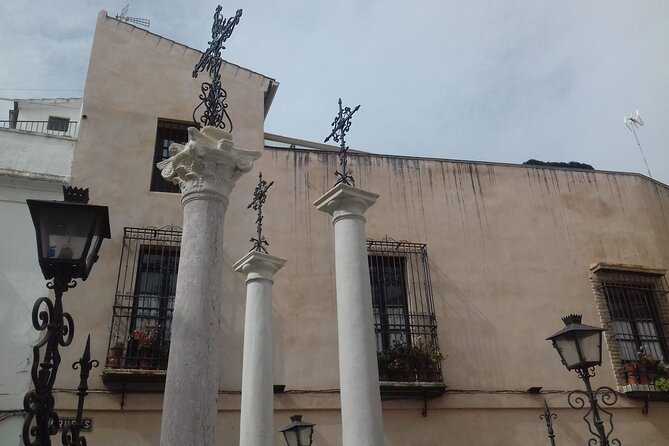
(344, 201)
(208, 163)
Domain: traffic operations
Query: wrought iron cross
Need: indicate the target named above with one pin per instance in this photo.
(340, 126)
(259, 197)
(212, 94)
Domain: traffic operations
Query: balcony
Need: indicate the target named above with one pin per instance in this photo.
(139, 340)
(408, 354)
(62, 128)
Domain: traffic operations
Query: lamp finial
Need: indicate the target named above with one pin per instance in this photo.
(572, 319)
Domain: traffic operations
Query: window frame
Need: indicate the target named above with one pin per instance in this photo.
(161, 152)
(607, 276)
(58, 124)
(420, 326)
(131, 310)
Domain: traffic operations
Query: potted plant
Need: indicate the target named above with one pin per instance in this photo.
(417, 362)
(146, 338)
(116, 354)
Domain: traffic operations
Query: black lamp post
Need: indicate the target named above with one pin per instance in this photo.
(69, 234)
(298, 432)
(580, 349)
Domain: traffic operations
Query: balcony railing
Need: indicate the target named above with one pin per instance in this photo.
(66, 129)
(404, 318)
(142, 311)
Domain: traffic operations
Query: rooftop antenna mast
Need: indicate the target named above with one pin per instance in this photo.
(123, 16)
(635, 122)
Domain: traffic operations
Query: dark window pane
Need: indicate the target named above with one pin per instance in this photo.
(167, 132)
(58, 124)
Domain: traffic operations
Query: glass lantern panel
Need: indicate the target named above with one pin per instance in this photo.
(93, 249)
(305, 435)
(291, 437)
(64, 232)
(591, 347)
(566, 346)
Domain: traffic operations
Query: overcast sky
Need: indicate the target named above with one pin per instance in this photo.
(482, 80)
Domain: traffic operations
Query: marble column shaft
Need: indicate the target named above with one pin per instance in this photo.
(206, 169)
(362, 423)
(257, 406)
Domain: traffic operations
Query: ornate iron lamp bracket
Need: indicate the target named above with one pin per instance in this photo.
(593, 417)
(259, 197)
(341, 126)
(41, 420)
(212, 94)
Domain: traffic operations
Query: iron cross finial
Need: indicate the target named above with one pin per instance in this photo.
(259, 197)
(212, 94)
(340, 126)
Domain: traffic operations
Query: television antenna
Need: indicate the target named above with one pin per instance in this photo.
(123, 16)
(633, 123)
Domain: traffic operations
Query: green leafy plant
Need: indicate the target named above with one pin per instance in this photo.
(416, 362)
(662, 384)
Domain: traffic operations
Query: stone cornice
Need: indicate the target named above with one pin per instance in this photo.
(208, 163)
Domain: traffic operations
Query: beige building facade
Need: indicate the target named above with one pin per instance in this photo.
(504, 251)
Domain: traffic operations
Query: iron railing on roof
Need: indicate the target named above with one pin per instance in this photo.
(64, 128)
(145, 290)
(404, 317)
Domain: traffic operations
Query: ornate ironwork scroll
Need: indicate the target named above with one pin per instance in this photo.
(340, 126)
(593, 417)
(212, 94)
(259, 197)
(71, 433)
(548, 416)
(41, 420)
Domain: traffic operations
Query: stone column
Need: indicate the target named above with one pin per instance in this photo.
(362, 423)
(206, 170)
(257, 418)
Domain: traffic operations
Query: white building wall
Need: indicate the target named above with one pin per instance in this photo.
(41, 109)
(34, 155)
(31, 167)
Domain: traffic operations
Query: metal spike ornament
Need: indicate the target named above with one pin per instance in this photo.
(72, 433)
(340, 126)
(259, 197)
(212, 94)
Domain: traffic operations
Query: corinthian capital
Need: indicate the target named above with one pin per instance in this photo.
(208, 163)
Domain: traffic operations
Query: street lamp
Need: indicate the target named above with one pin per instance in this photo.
(69, 234)
(580, 349)
(298, 432)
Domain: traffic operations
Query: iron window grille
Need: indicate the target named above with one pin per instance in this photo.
(167, 132)
(57, 124)
(405, 323)
(636, 305)
(145, 290)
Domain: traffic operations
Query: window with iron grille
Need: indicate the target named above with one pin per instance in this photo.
(404, 318)
(145, 290)
(635, 304)
(167, 132)
(57, 124)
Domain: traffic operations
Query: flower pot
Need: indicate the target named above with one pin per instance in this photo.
(115, 360)
(145, 359)
(643, 374)
(145, 363)
(632, 373)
